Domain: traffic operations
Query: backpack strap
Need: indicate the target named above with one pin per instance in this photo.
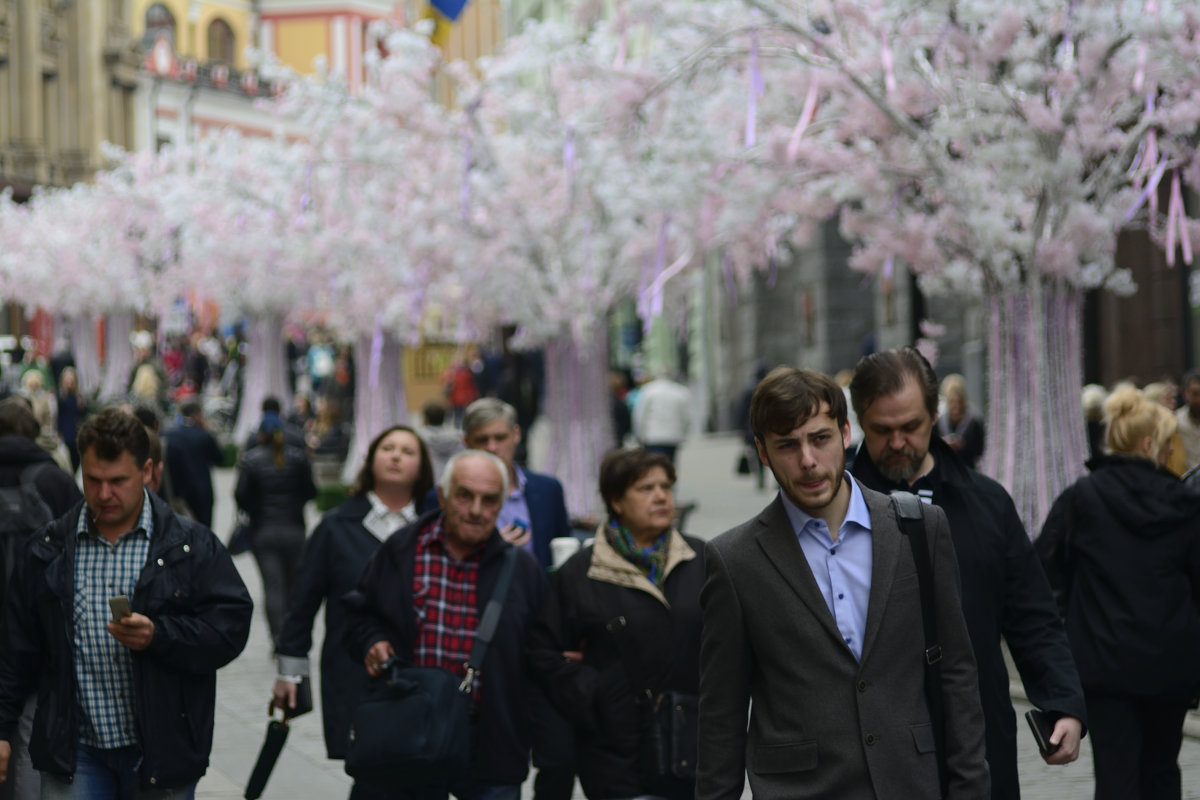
(910, 516)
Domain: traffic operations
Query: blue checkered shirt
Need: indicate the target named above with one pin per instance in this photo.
(104, 666)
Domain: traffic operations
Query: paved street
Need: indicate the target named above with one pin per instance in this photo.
(303, 773)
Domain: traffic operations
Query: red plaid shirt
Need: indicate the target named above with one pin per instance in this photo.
(444, 599)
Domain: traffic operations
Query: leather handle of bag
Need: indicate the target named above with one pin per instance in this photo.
(491, 618)
(910, 514)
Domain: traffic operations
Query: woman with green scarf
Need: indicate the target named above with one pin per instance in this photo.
(617, 647)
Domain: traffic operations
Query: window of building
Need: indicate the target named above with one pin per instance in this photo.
(159, 22)
(220, 41)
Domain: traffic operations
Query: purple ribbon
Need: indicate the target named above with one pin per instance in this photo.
(376, 352)
(756, 89)
(1150, 189)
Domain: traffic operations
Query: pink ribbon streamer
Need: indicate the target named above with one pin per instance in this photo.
(756, 89)
(1177, 223)
(889, 63)
(806, 117)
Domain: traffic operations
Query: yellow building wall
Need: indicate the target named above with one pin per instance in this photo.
(299, 41)
(192, 39)
(475, 33)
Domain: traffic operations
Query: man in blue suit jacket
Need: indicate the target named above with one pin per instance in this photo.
(534, 512)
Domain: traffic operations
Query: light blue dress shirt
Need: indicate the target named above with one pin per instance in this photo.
(517, 508)
(842, 569)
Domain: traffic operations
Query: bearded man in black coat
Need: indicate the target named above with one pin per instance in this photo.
(1004, 589)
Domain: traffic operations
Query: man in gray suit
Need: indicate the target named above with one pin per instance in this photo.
(812, 657)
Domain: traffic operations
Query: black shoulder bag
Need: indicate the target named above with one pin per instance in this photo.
(670, 719)
(416, 725)
(910, 514)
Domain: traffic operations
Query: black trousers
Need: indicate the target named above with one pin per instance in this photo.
(1135, 746)
(277, 551)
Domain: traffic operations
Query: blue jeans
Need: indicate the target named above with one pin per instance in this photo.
(107, 775)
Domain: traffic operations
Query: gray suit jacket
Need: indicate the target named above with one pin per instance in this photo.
(822, 725)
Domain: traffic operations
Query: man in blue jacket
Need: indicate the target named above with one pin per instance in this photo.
(125, 696)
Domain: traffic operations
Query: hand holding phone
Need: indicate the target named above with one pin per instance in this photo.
(1042, 725)
(120, 608)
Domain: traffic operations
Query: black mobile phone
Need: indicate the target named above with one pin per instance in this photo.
(120, 608)
(1042, 725)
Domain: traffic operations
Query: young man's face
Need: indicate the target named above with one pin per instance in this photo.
(113, 489)
(896, 431)
(810, 461)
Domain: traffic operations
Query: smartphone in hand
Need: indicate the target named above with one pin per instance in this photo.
(120, 608)
(1042, 725)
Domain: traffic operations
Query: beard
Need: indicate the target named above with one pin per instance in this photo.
(900, 466)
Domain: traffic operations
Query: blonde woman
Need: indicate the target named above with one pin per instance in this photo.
(1123, 548)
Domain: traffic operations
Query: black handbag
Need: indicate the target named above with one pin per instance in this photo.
(416, 725)
(671, 742)
(670, 719)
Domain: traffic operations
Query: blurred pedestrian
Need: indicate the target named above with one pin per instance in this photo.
(1188, 418)
(1093, 396)
(443, 441)
(1163, 393)
(71, 407)
(274, 483)
(662, 415)
(961, 426)
(458, 387)
(1123, 547)
(394, 478)
(603, 676)
(192, 453)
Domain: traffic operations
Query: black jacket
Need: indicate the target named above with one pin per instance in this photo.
(598, 696)
(275, 495)
(332, 563)
(191, 454)
(201, 612)
(1131, 575)
(56, 487)
(1004, 593)
(381, 609)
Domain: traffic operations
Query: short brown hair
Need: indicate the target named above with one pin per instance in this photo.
(884, 373)
(114, 431)
(621, 469)
(789, 396)
(17, 419)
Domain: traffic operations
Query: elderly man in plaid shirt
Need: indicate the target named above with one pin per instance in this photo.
(125, 707)
(422, 597)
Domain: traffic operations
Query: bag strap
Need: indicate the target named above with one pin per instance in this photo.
(910, 515)
(490, 621)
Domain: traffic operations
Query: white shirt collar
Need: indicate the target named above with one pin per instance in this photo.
(382, 522)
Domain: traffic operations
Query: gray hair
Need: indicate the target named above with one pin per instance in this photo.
(484, 410)
(446, 478)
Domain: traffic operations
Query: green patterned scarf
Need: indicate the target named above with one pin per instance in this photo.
(650, 560)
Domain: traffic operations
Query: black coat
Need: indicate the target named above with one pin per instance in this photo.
(191, 454)
(1131, 575)
(1004, 593)
(381, 609)
(598, 695)
(275, 495)
(56, 487)
(332, 563)
(201, 611)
